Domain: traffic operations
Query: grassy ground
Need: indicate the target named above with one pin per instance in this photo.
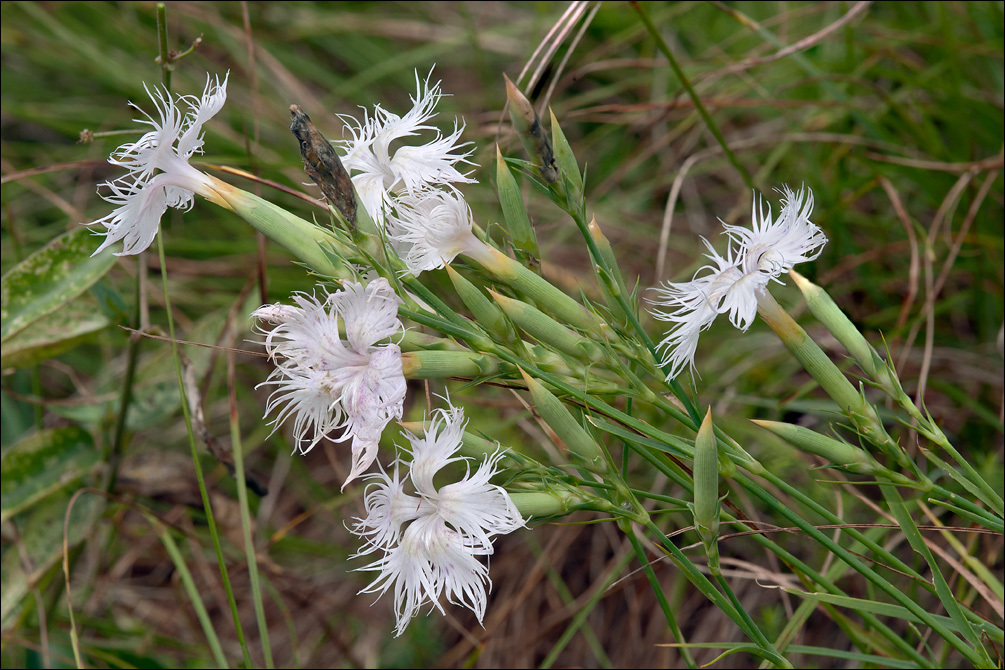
(891, 112)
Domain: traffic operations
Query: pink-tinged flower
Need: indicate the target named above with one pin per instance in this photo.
(379, 174)
(429, 540)
(327, 381)
(159, 175)
(732, 283)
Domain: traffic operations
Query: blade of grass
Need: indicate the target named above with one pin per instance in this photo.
(875, 578)
(186, 413)
(686, 83)
(237, 449)
(917, 542)
(890, 610)
(190, 588)
(654, 584)
(580, 618)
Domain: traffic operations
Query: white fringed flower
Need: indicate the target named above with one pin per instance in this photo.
(430, 228)
(326, 382)
(429, 540)
(380, 174)
(732, 283)
(159, 173)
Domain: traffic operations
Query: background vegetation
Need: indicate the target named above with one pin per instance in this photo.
(893, 116)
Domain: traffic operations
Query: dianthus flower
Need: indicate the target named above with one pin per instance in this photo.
(326, 381)
(430, 228)
(380, 175)
(159, 175)
(733, 282)
(429, 540)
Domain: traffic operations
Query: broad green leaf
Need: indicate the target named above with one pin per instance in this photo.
(48, 279)
(40, 533)
(155, 398)
(53, 334)
(42, 463)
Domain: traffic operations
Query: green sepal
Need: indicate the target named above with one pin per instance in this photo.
(518, 226)
(487, 314)
(566, 161)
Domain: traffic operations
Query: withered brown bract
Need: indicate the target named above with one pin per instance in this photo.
(322, 164)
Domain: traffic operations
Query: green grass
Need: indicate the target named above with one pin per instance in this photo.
(895, 120)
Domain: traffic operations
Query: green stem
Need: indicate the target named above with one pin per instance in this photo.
(729, 608)
(190, 588)
(579, 216)
(930, 430)
(706, 117)
(210, 520)
(580, 618)
(668, 468)
(125, 399)
(162, 44)
(237, 448)
(945, 594)
(761, 639)
(654, 584)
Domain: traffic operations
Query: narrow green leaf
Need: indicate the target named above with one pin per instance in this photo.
(890, 610)
(190, 588)
(565, 158)
(882, 661)
(555, 414)
(942, 588)
(49, 279)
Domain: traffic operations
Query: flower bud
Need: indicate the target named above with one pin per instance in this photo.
(545, 503)
(612, 284)
(488, 315)
(568, 429)
(441, 364)
(537, 289)
(851, 401)
(545, 329)
(706, 491)
(529, 130)
(566, 161)
(839, 453)
(823, 307)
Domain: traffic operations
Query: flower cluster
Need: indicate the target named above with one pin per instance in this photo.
(428, 541)
(732, 282)
(327, 382)
(411, 192)
(159, 175)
